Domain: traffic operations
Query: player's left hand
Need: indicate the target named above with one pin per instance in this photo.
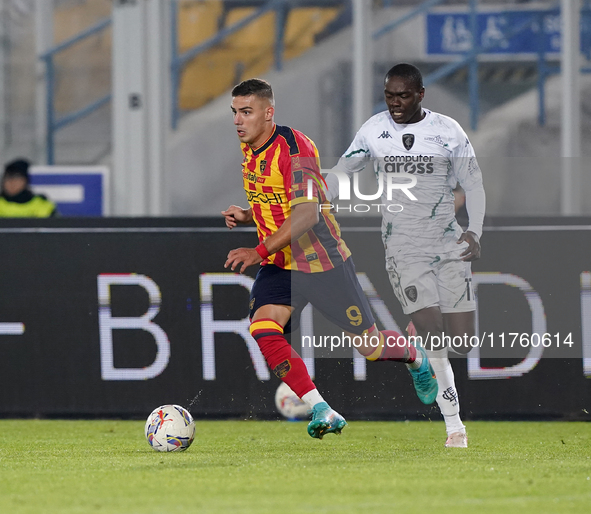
(246, 256)
(473, 251)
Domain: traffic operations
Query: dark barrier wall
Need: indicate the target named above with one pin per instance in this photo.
(115, 317)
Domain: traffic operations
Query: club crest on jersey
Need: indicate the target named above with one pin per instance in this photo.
(408, 140)
(263, 166)
(411, 293)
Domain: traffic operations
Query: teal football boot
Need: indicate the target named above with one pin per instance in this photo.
(325, 421)
(424, 379)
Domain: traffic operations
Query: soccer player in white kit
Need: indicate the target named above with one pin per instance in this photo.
(427, 253)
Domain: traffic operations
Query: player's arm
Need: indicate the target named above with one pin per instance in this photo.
(303, 217)
(470, 178)
(352, 161)
(235, 215)
(475, 204)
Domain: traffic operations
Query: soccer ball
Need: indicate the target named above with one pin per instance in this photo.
(289, 404)
(170, 428)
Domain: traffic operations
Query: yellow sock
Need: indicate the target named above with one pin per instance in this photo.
(375, 355)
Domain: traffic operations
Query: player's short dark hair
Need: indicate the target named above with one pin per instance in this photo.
(257, 87)
(406, 71)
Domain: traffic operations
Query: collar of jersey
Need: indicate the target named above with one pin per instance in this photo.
(267, 143)
(398, 127)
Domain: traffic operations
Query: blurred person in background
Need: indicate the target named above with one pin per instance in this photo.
(17, 200)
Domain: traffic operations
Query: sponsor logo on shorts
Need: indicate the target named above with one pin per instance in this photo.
(411, 293)
(312, 257)
(281, 370)
(408, 140)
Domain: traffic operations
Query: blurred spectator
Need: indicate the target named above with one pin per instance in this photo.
(17, 200)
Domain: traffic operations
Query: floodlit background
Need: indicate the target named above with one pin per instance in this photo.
(123, 303)
(143, 89)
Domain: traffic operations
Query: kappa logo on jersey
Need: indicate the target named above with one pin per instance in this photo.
(412, 293)
(408, 140)
(437, 140)
(385, 135)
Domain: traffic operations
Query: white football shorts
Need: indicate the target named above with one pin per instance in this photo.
(430, 279)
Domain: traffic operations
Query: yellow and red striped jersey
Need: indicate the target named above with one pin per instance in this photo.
(276, 178)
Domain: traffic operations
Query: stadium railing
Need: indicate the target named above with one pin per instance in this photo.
(53, 122)
(282, 7)
(470, 58)
(179, 61)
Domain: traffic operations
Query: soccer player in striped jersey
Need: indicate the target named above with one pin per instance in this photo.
(302, 255)
(427, 253)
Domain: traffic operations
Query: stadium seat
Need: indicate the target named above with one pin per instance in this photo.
(246, 53)
(85, 69)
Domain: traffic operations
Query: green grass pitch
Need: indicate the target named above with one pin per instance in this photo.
(50, 466)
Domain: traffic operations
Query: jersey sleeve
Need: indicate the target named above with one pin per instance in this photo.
(303, 182)
(352, 161)
(466, 172)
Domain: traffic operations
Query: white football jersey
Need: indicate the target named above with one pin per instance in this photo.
(435, 151)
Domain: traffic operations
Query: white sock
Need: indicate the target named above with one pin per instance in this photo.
(447, 396)
(312, 398)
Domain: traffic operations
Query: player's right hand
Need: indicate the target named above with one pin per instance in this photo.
(471, 253)
(235, 215)
(246, 256)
